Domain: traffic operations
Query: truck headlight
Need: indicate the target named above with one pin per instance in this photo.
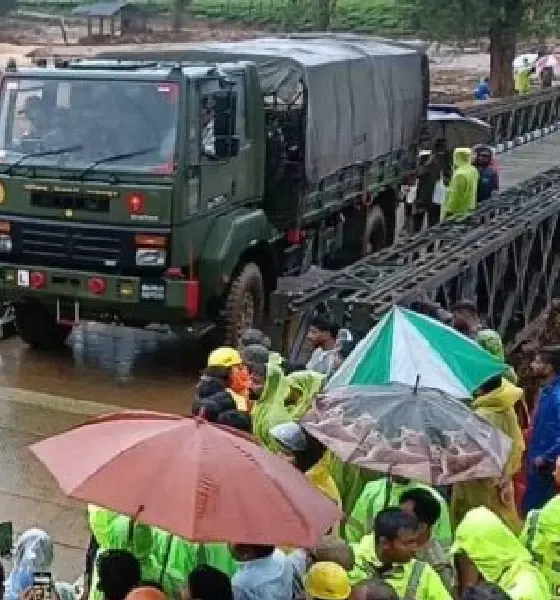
(5, 243)
(150, 257)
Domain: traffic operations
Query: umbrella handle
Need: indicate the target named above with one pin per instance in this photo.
(388, 489)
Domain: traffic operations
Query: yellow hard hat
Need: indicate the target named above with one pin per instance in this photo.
(327, 581)
(224, 357)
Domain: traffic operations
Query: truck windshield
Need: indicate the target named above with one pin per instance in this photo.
(135, 122)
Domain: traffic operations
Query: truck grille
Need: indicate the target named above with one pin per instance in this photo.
(60, 201)
(82, 248)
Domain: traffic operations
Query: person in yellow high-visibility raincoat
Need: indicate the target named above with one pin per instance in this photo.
(460, 199)
(496, 404)
(485, 548)
(522, 78)
(382, 493)
(541, 536)
(388, 554)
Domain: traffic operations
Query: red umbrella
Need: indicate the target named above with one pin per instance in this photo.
(194, 479)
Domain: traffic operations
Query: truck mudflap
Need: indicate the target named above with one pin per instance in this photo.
(72, 295)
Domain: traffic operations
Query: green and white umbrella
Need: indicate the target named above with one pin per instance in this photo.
(406, 345)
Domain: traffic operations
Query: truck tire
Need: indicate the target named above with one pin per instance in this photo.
(375, 231)
(38, 328)
(245, 302)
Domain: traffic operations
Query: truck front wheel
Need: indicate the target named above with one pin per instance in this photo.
(245, 302)
(38, 328)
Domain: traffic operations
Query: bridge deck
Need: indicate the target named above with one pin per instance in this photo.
(528, 160)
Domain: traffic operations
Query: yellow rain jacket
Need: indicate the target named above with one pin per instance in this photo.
(498, 408)
(414, 579)
(319, 477)
(305, 385)
(269, 410)
(373, 500)
(461, 193)
(499, 556)
(541, 536)
(522, 80)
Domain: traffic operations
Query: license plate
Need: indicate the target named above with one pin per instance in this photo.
(67, 311)
(23, 278)
(152, 291)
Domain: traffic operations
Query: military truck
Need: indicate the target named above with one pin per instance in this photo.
(176, 184)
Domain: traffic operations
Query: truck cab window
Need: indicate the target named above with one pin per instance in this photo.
(207, 138)
(207, 141)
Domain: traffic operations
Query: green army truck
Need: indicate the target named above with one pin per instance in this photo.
(176, 184)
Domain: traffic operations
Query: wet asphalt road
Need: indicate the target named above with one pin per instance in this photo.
(105, 368)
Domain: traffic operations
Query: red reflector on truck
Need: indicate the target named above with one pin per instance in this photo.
(135, 204)
(37, 280)
(192, 298)
(96, 285)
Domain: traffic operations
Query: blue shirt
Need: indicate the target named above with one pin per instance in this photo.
(482, 91)
(270, 578)
(488, 182)
(545, 439)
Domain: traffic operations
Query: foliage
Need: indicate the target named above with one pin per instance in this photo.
(349, 15)
(470, 19)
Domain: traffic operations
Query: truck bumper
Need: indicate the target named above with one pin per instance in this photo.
(139, 299)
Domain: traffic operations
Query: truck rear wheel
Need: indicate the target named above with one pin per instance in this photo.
(245, 302)
(38, 328)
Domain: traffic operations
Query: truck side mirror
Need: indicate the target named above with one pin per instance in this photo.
(222, 106)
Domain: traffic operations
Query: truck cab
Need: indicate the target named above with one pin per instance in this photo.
(128, 190)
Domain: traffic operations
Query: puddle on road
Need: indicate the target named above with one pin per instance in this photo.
(149, 369)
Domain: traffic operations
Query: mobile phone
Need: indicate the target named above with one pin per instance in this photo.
(6, 538)
(42, 586)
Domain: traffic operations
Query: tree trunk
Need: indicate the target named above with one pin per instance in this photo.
(324, 13)
(177, 16)
(502, 53)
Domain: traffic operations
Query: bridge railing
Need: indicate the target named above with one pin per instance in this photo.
(513, 120)
(506, 255)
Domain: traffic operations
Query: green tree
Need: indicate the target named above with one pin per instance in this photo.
(502, 21)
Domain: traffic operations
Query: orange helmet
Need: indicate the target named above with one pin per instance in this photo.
(146, 593)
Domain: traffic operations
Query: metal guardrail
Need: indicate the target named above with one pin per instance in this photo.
(506, 254)
(513, 119)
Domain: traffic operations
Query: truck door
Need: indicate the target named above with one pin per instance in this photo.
(222, 181)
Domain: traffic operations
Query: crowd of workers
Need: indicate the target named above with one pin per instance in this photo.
(448, 187)
(399, 538)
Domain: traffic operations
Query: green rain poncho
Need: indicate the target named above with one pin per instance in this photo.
(184, 556)
(140, 540)
(491, 341)
(461, 193)
(150, 545)
(541, 536)
(350, 481)
(99, 520)
(373, 500)
(270, 410)
(499, 556)
(304, 386)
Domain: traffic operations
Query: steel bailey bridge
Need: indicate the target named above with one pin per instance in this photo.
(506, 255)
